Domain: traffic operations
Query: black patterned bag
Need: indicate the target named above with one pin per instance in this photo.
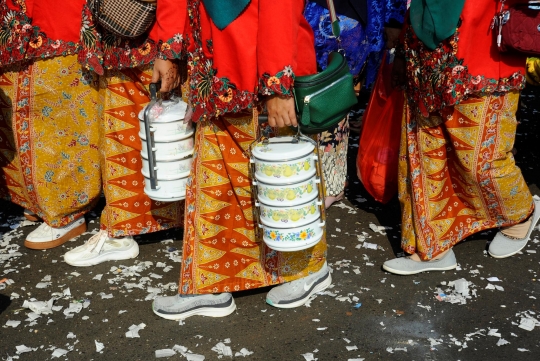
(124, 18)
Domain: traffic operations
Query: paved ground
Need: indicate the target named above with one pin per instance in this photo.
(367, 314)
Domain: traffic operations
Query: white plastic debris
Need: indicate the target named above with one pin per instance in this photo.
(377, 229)
(59, 352)
(194, 357)
(99, 346)
(134, 330)
(309, 356)
(166, 352)
(243, 352)
(351, 348)
(71, 335)
(222, 349)
(502, 342)
(22, 349)
(527, 323)
(39, 307)
(493, 332)
(13, 323)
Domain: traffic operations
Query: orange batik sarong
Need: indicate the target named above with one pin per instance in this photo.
(457, 174)
(129, 211)
(221, 251)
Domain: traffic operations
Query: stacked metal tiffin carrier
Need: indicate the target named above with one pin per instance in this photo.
(289, 190)
(167, 165)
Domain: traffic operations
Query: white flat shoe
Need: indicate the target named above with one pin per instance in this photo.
(406, 266)
(45, 236)
(101, 248)
(503, 246)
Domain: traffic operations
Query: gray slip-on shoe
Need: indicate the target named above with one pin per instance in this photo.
(296, 293)
(502, 246)
(179, 307)
(406, 266)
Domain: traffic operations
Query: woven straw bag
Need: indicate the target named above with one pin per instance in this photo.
(124, 18)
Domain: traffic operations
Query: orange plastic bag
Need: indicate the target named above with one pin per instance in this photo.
(378, 152)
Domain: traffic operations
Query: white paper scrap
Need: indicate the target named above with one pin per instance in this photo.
(243, 352)
(351, 348)
(73, 308)
(527, 323)
(493, 279)
(370, 245)
(222, 349)
(99, 346)
(194, 357)
(134, 330)
(502, 342)
(166, 352)
(71, 335)
(59, 352)
(523, 350)
(309, 357)
(39, 307)
(13, 323)
(493, 332)
(22, 349)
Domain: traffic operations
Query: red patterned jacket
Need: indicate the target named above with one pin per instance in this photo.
(259, 53)
(33, 29)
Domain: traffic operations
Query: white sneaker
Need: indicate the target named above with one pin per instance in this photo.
(45, 236)
(100, 248)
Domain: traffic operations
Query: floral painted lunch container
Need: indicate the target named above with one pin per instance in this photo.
(288, 194)
(293, 239)
(286, 217)
(281, 160)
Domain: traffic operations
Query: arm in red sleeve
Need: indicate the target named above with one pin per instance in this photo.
(170, 28)
(285, 46)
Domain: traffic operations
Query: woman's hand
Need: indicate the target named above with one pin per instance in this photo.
(281, 111)
(167, 72)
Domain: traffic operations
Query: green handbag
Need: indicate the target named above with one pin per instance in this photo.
(324, 99)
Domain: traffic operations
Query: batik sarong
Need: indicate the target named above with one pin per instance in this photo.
(221, 251)
(49, 138)
(123, 95)
(333, 146)
(457, 174)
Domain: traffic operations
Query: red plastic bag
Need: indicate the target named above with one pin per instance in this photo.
(378, 152)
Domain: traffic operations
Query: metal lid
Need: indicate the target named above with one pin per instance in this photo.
(282, 149)
(167, 111)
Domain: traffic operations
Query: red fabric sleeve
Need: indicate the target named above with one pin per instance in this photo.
(171, 18)
(477, 43)
(45, 15)
(285, 38)
(169, 29)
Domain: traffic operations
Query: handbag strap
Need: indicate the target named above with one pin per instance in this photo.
(336, 31)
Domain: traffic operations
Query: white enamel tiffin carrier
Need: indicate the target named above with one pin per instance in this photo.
(167, 148)
(289, 189)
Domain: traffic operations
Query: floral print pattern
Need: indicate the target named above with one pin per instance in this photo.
(439, 79)
(212, 95)
(50, 155)
(333, 147)
(97, 49)
(457, 175)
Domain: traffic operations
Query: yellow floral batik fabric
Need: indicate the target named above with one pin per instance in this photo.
(221, 251)
(49, 138)
(457, 174)
(129, 211)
